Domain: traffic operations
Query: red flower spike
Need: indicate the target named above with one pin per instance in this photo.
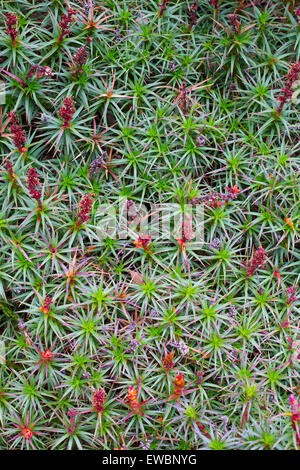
(27, 433)
(163, 6)
(276, 274)
(287, 91)
(33, 183)
(85, 207)
(295, 406)
(234, 22)
(9, 167)
(193, 14)
(143, 242)
(133, 402)
(233, 191)
(46, 356)
(66, 112)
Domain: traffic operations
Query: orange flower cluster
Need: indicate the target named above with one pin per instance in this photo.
(66, 112)
(11, 23)
(19, 137)
(65, 22)
(85, 207)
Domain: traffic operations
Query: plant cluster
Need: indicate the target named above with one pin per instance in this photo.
(147, 342)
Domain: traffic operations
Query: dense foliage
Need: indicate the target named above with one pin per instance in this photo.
(146, 342)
